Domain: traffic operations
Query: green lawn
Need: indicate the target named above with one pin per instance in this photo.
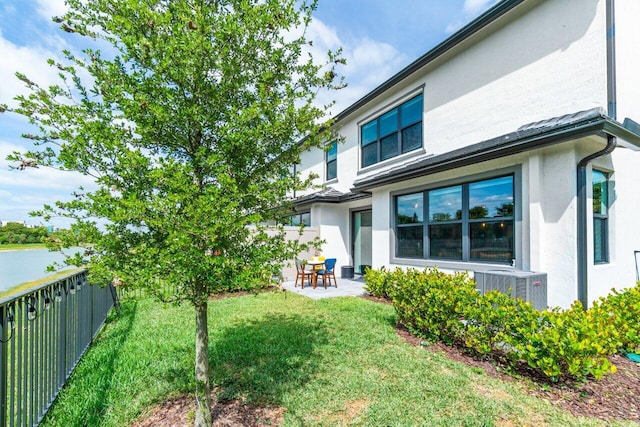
(328, 362)
(16, 246)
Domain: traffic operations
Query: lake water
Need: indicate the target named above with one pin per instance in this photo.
(24, 266)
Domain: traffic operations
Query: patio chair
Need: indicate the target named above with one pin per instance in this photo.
(302, 273)
(328, 272)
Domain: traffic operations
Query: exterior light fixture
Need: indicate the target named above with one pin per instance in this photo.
(72, 289)
(47, 300)
(58, 294)
(10, 320)
(32, 313)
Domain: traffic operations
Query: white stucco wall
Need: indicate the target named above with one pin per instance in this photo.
(624, 225)
(627, 41)
(558, 256)
(549, 62)
(333, 221)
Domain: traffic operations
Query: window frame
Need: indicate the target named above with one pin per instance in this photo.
(331, 161)
(601, 218)
(465, 219)
(288, 220)
(400, 128)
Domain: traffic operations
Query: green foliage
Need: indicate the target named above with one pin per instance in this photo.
(618, 315)
(17, 233)
(431, 302)
(573, 343)
(564, 343)
(380, 283)
(190, 124)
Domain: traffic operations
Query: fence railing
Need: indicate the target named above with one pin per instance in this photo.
(44, 332)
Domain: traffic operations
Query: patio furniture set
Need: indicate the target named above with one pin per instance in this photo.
(319, 267)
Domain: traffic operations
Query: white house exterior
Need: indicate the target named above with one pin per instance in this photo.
(485, 153)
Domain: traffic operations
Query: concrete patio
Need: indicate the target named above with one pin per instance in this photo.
(346, 287)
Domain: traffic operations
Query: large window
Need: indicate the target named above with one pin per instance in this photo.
(466, 222)
(332, 161)
(395, 132)
(600, 182)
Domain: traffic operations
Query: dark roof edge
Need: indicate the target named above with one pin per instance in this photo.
(458, 37)
(316, 198)
(513, 143)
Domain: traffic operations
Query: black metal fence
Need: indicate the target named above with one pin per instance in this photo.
(44, 332)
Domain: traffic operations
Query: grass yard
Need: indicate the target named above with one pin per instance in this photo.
(21, 247)
(327, 362)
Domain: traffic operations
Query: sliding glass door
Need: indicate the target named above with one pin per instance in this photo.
(362, 238)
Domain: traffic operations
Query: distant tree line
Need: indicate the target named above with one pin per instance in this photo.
(15, 232)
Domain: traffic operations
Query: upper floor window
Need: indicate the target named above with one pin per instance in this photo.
(600, 181)
(467, 222)
(395, 132)
(332, 161)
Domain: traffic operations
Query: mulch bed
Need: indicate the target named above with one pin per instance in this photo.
(180, 412)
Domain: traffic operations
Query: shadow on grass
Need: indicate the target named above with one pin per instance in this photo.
(97, 367)
(262, 360)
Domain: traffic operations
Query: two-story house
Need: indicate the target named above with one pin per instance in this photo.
(507, 146)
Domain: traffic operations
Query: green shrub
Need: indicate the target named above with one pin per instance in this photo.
(376, 283)
(565, 343)
(619, 313)
(573, 343)
(494, 320)
(431, 303)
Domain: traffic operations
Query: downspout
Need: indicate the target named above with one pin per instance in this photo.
(612, 106)
(583, 255)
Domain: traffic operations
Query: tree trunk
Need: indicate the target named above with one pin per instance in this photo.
(203, 392)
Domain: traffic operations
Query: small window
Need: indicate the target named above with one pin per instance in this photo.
(332, 161)
(395, 132)
(600, 183)
(297, 219)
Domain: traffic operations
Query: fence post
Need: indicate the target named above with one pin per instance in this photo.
(4, 338)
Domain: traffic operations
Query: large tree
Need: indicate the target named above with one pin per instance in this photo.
(190, 115)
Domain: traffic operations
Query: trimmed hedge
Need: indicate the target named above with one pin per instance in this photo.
(572, 343)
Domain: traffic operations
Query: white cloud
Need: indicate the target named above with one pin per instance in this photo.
(470, 9)
(29, 190)
(43, 179)
(50, 8)
(369, 63)
(30, 61)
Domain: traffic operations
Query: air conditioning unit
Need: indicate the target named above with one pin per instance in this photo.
(527, 285)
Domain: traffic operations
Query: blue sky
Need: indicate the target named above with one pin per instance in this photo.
(378, 37)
